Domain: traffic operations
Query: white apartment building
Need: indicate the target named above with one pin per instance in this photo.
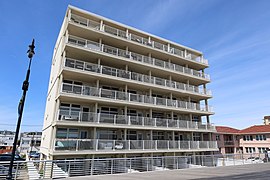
(29, 142)
(116, 91)
(7, 138)
(6, 141)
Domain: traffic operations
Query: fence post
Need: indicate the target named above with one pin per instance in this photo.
(17, 167)
(112, 166)
(130, 166)
(147, 164)
(69, 168)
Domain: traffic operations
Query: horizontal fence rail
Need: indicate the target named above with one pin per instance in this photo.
(119, 95)
(80, 116)
(136, 38)
(100, 69)
(52, 169)
(112, 145)
(134, 56)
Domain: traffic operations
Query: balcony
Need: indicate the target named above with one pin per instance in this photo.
(131, 121)
(130, 97)
(136, 38)
(135, 57)
(130, 145)
(84, 66)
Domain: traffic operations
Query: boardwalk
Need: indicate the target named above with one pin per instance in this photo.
(241, 172)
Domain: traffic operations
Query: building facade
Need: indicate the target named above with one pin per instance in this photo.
(6, 141)
(116, 91)
(30, 142)
(227, 139)
(254, 139)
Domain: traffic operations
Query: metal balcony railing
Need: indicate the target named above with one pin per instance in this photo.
(130, 97)
(80, 116)
(112, 145)
(84, 66)
(135, 38)
(134, 56)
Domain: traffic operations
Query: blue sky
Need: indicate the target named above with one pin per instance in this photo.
(234, 35)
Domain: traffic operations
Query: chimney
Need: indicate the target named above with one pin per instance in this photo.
(266, 120)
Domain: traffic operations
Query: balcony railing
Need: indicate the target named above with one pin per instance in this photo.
(134, 56)
(101, 118)
(130, 97)
(135, 38)
(72, 63)
(118, 145)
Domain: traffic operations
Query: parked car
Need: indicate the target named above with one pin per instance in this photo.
(254, 160)
(7, 157)
(35, 155)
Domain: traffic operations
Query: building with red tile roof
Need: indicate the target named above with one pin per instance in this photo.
(253, 139)
(227, 139)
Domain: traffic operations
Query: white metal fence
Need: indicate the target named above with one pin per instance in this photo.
(87, 167)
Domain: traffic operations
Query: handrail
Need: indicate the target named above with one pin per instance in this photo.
(85, 66)
(112, 145)
(113, 119)
(118, 95)
(135, 38)
(164, 64)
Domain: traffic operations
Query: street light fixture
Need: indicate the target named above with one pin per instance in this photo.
(25, 85)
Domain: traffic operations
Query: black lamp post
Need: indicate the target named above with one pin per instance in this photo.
(25, 85)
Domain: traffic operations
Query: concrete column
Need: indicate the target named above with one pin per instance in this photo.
(96, 107)
(190, 117)
(97, 83)
(126, 88)
(100, 41)
(94, 133)
(99, 61)
(125, 134)
(126, 67)
(127, 33)
(207, 119)
(53, 136)
(206, 104)
(69, 15)
(101, 25)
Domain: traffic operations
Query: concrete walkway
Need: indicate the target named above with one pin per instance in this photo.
(240, 172)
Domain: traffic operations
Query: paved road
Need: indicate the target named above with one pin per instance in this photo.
(241, 172)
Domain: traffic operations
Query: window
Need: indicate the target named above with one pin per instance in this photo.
(106, 134)
(195, 118)
(262, 149)
(109, 110)
(196, 137)
(260, 137)
(67, 133)
(131, 135)
(73, 133)
(158, 135)
(217, 137)
(69, 111)
(250, 150)
(248, 138)
(61, 133)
